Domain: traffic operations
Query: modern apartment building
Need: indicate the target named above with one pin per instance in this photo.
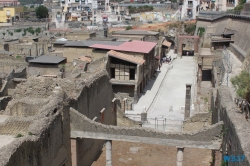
(189, 9)
(11, 13)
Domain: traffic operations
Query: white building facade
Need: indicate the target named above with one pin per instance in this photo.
(189, 9)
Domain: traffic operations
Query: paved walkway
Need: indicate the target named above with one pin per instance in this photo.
(164, 97)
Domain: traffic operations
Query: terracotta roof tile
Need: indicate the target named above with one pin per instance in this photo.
(166, 43)
(133, 46)
(126, 57)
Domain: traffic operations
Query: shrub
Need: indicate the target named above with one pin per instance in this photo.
(241, 84)
(38, 30)
(240, 6)
(190, 28)
(201, 30)
(19, 135)
(18, 30)
(128, 27)
(30, 30)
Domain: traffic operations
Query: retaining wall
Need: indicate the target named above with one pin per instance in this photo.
(236, 128)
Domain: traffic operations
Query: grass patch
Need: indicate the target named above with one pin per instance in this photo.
(19, 135)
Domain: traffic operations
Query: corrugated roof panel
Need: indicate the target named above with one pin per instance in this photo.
(48, 59)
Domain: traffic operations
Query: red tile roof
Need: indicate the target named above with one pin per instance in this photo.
(126, 57)
(133, 46)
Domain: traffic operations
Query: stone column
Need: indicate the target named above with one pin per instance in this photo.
(179, 160)
(135, 95)
(187, 101)
(109, 153)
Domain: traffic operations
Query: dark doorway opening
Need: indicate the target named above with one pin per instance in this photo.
(131, 74)
(206, 75)
(112, 72)
(187, 53)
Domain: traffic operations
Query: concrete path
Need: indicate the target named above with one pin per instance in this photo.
(165, 97)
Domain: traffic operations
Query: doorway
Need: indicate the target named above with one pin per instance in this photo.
(206, 75)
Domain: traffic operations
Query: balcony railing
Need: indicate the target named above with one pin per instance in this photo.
(190, 5)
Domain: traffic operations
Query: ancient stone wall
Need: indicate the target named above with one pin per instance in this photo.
(197, 122)
(187, 41)
(80, 122)
(8, 82)
(8, 63)
(45, 135)
(90, 93)
(239, 25)
(72, 53)
(4, 101)
(29, 49)
(37, 69)
(236, 128)
(201, 23)
(122, 120)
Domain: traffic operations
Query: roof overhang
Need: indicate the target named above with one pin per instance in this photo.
(166, 43)
(126, 57)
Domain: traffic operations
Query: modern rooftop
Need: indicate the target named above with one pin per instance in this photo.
(133, 46)
(48, 59)
(86, 43)
(136, 32)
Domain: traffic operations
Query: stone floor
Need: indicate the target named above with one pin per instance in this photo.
(164, 97)
(138, 154)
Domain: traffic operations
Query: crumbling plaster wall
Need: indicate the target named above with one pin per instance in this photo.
(4, 102)
(72, 53)
(198, 121)
(80, 123)
(8, 83)
(37, 69)
(46, 139)
(89, 93)
(8, 63)
(30, 49)
(236, 128)
(240, 26)
(181, 40)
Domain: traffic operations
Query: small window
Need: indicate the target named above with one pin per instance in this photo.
(131, 74)
(112, 72)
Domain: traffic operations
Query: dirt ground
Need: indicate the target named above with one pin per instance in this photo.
(138, 154)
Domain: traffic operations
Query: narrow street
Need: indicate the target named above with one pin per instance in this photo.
(164, 97)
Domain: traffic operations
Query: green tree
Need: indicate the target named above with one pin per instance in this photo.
(128, 27)
(42, 12)
(241, 84)
(240, 5)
